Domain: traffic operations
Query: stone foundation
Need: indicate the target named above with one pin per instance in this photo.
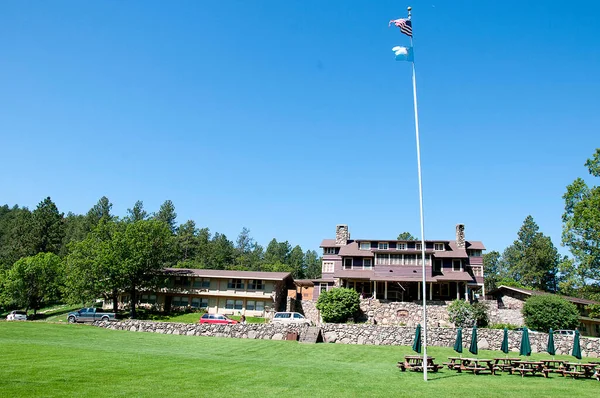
(360, 334)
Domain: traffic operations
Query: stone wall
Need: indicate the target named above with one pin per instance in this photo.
(360, 334)
(404, 313)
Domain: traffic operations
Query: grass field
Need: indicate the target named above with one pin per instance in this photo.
(56, 360)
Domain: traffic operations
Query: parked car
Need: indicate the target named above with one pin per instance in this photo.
(17, 316)
(290, 318)
(218, 319)
(90, 315)
(565, 332)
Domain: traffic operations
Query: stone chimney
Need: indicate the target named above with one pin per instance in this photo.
(342, 235)
(460, 236)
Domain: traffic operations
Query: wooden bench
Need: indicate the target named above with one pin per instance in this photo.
(451, 365)
(418, 368)
(573, 373)
(477, 370)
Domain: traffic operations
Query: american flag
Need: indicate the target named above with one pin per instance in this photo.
(404, 24)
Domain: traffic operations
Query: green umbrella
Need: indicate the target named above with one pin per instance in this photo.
(473, 346)
(417, 343)
(458, 343)
(504, 347)
(551, 349)
(576, 347)
(525, 344)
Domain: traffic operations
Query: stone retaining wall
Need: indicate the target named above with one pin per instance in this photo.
(360, 334)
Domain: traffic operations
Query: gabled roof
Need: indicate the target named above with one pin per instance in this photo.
(352, 249)
(529, 292)
(217, 273)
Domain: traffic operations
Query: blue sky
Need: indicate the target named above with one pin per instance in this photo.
(289, 117)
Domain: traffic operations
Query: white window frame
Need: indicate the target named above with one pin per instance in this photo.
(475, 253)
(329, 250)
(460, 265)
(380, 256)
(370, 260)
(327, 267)
(439, 247)
(383, 246)
(401, 246)
(351, 260)
(418, 246)
(364, 246)
(396, 259)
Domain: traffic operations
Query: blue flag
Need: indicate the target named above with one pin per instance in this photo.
(403, 53)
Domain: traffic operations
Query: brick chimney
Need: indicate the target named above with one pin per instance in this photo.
(342, 235)
(460, 236)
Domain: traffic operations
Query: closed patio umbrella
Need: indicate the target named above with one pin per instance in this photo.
(525, 344)
(458, 343)
(576, 347)
(473, 346)
(417, 343)
(504, 347)
(551, 349)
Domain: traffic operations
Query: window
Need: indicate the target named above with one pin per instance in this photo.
(348, 263)
(365, 246)
(382, 246)
(329, 250)
(148, 299)
(201, 283)
(181, 281)
(474, 253)
(418, 246)
(260, 306)
(229, 304)
(367, 263)
(180, 302)
(477, 271)
(396, 259)
(235, 284)
(199, 302)
(323, 287)
(438, 247)
(239, 304)
(256, 284)
(382, 259)
(401, 246)
(410, 259)
(327, 266)
(437, 265)
(250, 305)
(456, 265)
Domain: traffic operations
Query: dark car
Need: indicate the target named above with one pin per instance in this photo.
(218, 319)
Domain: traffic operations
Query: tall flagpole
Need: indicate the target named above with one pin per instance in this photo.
(424, 290)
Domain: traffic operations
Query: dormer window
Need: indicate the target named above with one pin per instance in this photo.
(418, 246)
(438, 247)
(330, 250)
(383, 246)
(365, 246)
(400, 246)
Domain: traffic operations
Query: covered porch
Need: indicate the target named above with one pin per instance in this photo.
(407, 290)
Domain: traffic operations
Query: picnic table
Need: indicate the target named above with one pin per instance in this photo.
(576, 369)
(453, 363)
(553, 365)
(477, 365)
(415, 362)
(533, 367)
(505, 364)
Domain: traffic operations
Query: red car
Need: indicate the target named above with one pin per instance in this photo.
(217, 319)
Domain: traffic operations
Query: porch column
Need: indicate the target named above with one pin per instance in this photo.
(457, 291)
(375, 289)
(430, 291)
(483, 291)
(466, 292)
(418, 290)
(385, 291)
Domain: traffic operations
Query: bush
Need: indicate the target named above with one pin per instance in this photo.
(546, 311)
(463, 314)
(338, 305)
(509, 326)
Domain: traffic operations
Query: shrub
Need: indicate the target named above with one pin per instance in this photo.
(546, 311)
(463, 314)
(338, 305)
(509, 326)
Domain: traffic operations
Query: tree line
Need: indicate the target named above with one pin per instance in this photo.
(533, 261)
(46, 256)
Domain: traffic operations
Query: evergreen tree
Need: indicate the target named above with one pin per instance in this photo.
(167, 215)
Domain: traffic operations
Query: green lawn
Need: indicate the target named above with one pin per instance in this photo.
(56, 360)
